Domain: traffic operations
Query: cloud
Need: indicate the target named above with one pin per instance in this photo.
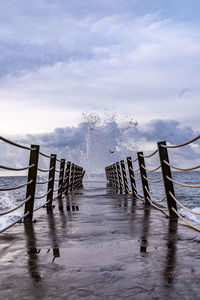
(90, 142)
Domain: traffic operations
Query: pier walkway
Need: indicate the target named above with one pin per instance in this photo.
(108, 246)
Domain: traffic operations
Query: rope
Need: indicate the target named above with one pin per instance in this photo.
(150, 155)
(133, 160)
(192, 212)
(15, 144)
(57, 189)
(16, 187)
(173, 167)
(58, 160)
(153, 181)
(40, 197)
(45, 155)
(15, 208)
(140, 198)
(138, 191)
(16, 169)
(161, 200)
(149, 199)
(43, 182)
(135, 178)
(182, 184)
(18, 220)
(151, 170)
(42, 170)
(58, 170)
(184, 144)
(184, 220)
(134, 170)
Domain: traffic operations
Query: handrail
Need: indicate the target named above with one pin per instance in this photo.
(18, 220)
(15, 208)
(40, 197)
(135, 178)
(162, 209)
(139, 197)
(184, 220)
(41, 206)
(153, 170)
(16, 144)
(16, 187)
(134, 170)
(57, 189)
(184, 144)
(43, 170)
(133, 160)
(182, 184)
(150, 155)
(43, 182)
(189, 210)
(153, 181)
(16, 169)
(176, 168)
(138, 191)
(45, 155)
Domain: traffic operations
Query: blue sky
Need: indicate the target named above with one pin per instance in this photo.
(137, 58)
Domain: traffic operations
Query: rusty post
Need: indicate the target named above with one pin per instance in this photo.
(119, 177)
(72, 178)
(52, 167)
(143, 174)
(115, 176)
(67, 178)
(123, 168)
(131, 175)
(166, 172)
(32, 176)
(61, 178)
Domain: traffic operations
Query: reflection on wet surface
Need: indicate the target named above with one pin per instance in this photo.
(145, 229)
(113, 247)
(32, 252)
(169, 272)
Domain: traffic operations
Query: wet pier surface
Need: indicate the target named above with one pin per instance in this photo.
(107, 246)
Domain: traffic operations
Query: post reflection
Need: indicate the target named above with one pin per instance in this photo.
(53, 235)
(145, 229)
(32, 252)
(169, 273)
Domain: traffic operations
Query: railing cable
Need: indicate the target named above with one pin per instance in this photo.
(16, 187)
(16, 169)
(184, 144)
(182, 184)
(180, 169)
(16, 144)
(15, 208)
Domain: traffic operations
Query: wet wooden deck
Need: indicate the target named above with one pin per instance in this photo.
(108, 247)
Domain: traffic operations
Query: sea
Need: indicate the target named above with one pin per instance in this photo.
(189, 197)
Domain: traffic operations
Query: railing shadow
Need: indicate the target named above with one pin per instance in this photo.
(169, 273)
(53, 235)
(32, 252)
(145, 229)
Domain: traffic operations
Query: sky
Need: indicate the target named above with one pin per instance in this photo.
(138, 60)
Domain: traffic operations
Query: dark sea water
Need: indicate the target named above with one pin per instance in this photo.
(190, 197)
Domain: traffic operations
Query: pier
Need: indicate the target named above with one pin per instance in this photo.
(99, 240)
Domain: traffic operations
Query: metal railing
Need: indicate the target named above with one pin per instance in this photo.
(64, 181)
(165, 166)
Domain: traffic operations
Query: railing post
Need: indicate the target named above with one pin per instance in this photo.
(115, 176)
(119, 177)
(61, 178)
(124, 176)
(72, 178)
(143, 174)
(52, 167)
(131, 175)
(32, 175)
(67, 178)
(166, 171)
